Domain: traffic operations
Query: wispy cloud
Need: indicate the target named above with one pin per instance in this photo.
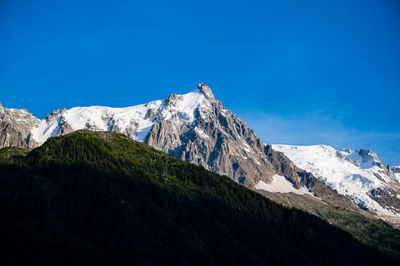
(323, 128)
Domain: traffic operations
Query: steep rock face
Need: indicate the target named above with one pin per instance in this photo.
(15, 126)
(215, 138)
(283, 165)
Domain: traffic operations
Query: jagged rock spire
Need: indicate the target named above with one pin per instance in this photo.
(203, 88)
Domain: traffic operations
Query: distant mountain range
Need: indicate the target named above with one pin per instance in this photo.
(358, 174)
(197, 128)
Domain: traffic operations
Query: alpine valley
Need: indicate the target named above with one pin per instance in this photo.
(350, 189)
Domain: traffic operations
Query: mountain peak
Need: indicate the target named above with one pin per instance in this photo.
(203, 88)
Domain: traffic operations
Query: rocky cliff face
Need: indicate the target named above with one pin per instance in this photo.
(217, 140)
(15, 126)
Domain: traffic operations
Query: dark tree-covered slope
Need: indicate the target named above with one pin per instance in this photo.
(102, 199)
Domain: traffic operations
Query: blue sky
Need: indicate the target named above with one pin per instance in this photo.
(298, 72)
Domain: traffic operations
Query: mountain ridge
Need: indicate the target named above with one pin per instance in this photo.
(195, 127)
(358, 174)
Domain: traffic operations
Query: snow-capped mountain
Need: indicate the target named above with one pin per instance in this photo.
(357, 174)
(194, 126)
(197, 128)
(135, 121)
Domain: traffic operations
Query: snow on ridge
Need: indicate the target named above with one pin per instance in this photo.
(185, 107)
(282, 185)
(359, 160)
(334, 168)
(201, 133)
(396, 172)
(396, 168)
(126, 119)
(366, 159)
(397, 175)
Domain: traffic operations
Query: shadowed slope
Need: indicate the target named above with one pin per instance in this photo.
(101, 198)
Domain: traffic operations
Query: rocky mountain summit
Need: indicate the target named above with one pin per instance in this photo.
(199, 129)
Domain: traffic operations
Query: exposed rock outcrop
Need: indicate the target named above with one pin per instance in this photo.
(15, 126)
(217, 140)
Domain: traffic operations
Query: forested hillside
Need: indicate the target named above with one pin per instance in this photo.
(101, 198)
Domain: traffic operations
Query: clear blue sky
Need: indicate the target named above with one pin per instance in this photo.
(298, 72)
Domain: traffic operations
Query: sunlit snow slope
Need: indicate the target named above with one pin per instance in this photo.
(134, 121)
(280, 184)
(351, 173)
